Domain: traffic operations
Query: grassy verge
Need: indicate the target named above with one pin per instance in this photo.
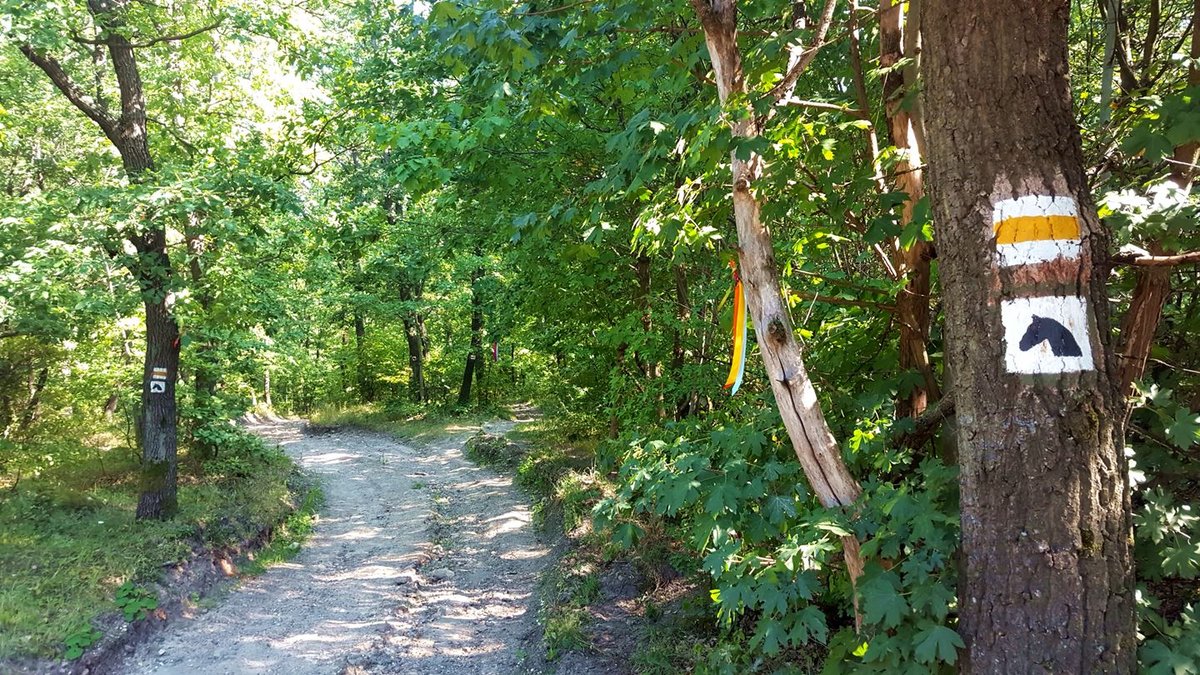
(420, 425)
(290, 535)
(70, 548)
(563, 613)
(553, 460)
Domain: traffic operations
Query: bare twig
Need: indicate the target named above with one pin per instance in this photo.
(177, 37)
(800, 58)
(832, 300)
(1155, 260)
(823, 105)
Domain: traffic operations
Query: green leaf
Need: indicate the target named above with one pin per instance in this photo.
(1182, 562)
(1184, 431)
(724, 497)
(937, 643)
(1159, 659)
(1147, 141)
(882, 602)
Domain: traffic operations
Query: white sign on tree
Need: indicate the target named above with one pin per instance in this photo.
(1049, 334)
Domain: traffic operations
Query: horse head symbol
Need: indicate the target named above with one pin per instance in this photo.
(1042, 329)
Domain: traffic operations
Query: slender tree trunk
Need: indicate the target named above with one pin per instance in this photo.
(34, 403)
(1154, 283)
(641, 300)
(475, 356)
(1141, 320)
(614, 420)
(650, 368)
(267, 388)
(686, 402)
(414, 335)
(897, 40)
(481, 394)
(795, 395)
(205, 367)
(416, 358)
(366, 390)
(1046, 582)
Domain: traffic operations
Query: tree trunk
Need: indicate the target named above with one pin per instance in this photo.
(205, 366)
(1046, 584)
(1140, 322)
(475, 356)
(159, 417)
(685, 404)
(650, 368)
(898, 40)
(641, 300)
(1154, 283)
(416, 358)
(795, 395)
(267, 388)
(414, 335)
(34, 403)
(366, 390)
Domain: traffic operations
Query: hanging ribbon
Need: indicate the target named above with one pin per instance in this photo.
(738, 367)
(495, 352)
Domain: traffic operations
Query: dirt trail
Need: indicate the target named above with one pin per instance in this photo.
(422, 562)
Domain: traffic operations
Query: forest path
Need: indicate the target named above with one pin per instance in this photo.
(421, 562)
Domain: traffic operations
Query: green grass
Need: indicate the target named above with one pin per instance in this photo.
(422, 426)
(68, 539)
(553, 461)
(563, 631)
(290, 535)
(565, 594)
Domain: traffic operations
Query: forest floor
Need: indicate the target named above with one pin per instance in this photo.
(421, 562)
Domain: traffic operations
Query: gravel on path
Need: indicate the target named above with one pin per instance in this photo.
(421, 562)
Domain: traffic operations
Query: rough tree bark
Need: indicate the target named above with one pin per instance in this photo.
(795, 395)
(1046, 582)
(151, 266)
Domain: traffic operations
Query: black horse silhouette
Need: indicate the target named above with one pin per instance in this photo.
(1062, 343)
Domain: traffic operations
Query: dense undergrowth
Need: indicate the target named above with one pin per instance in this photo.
(71, 550)
(724, 504)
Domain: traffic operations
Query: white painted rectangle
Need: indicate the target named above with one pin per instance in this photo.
(1033, 205)
(1049, 334)
(1033, 252)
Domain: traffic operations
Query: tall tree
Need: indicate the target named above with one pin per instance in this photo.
(126, 128)
(1047, 577)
